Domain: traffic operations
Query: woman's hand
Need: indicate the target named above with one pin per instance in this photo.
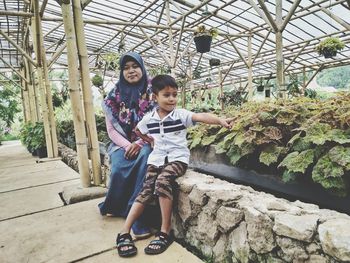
(132, 151)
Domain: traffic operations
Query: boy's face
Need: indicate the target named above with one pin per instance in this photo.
(167, 99)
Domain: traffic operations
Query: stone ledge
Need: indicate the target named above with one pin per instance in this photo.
(76, 193)
(258, 226)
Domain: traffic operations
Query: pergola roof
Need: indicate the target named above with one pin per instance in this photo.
(142, 26)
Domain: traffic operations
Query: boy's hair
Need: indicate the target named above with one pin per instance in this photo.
(160, 82)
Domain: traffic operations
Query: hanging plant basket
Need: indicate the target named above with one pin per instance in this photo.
(267, 93)
(329, 53)
(203, 43)
(260, 88)
(214, 62)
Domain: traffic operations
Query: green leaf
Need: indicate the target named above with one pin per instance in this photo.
(234, 154)
(339, 136)
(294, 138)
(329, 175)
(270, 154)
(208, 140)
(341, 156)
(273, 133)
(196, 141)
(298, 162)
(239, 139)
(220, 147)
(246, 148)
(318, 133)
(300, 144)
(289, 176)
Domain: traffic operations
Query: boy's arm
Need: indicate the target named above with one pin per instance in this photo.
(144, 137)
(209, 118)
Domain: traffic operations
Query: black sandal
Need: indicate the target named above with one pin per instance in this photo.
(125, 240)
(164, 241)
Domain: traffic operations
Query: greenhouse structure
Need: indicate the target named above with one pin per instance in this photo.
(275, 187)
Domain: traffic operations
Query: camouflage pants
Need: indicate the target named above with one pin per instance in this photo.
(160, 181)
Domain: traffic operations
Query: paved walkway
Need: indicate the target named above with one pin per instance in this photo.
(35, 225)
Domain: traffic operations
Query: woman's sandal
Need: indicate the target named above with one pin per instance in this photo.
(163, 242)
(125, 241)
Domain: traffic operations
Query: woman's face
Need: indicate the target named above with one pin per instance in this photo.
(132, 72)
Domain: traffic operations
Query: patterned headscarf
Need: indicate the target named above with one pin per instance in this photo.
(126, 103)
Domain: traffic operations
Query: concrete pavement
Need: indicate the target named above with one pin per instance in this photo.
(35, 225)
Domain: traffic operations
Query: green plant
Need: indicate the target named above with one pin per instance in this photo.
(202, 30)
(97, 81)
(299, 139)
(111, 60)
(329, 46)
(33, 136)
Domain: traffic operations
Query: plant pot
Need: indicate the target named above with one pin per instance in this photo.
(41, 152)
(267, 93)
(214, 62)
(203, 43)
(329, 53)
(260, 88)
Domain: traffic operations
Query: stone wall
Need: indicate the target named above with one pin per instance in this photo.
(234, 223)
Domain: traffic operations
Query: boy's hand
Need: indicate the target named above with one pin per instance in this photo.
(227, 123)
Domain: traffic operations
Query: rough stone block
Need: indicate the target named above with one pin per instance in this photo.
(76, 193)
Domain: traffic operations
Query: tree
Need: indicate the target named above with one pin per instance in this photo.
(9, 101)
(335, 77)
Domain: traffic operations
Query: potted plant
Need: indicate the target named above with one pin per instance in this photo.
(38, 139)
(214, 62)
(203, 38)
(259, 84)
(330, 46)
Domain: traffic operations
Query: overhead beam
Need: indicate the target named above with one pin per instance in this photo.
(336, 18)
(18, 47)
(16, 13)
(296, 56)
(268, 15)
(16, 71)
(289, 15)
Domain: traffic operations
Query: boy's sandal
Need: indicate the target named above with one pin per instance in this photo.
(163, 242)
(125, 241)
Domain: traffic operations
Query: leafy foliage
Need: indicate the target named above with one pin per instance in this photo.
(336, 77)
(299, 138)
(33, 136)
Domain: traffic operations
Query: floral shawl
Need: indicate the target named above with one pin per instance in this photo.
(126, 104)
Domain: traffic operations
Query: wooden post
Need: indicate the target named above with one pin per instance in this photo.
(25, 99)
(250, 69)
(47, 86)
(32, 108)
(221, 88)
(87, 94)
(41, 84)
(77, 109)
(279, 52)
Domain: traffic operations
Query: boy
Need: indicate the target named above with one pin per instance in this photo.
(166, 127)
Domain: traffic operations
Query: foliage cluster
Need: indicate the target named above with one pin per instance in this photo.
(66, 131)
(203, 30)
(330, 45)
(338, 78)
(33, 136)
(9, 103)
(301, 139)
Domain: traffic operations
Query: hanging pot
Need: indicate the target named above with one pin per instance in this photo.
(214, 62)
(267, 93)
(203, 43)
(329, 53)
(260, 88)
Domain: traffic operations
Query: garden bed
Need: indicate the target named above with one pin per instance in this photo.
(218, 165)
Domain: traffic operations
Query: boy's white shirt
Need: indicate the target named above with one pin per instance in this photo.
(169, 135)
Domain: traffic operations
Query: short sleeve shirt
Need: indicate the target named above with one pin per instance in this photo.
(169, 135)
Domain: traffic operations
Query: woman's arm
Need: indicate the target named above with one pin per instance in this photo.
(115, 136)
(144, 137)
(209, 118)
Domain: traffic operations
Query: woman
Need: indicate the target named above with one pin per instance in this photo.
(124, 107)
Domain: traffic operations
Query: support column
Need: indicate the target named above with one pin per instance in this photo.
(44, 109)
(25, 99)
(279, 52)
(87, 94)
(221, 86)
(77, 109)
(250, 68)
(34, 114)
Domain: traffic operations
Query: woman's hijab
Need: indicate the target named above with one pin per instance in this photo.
(126, 103)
